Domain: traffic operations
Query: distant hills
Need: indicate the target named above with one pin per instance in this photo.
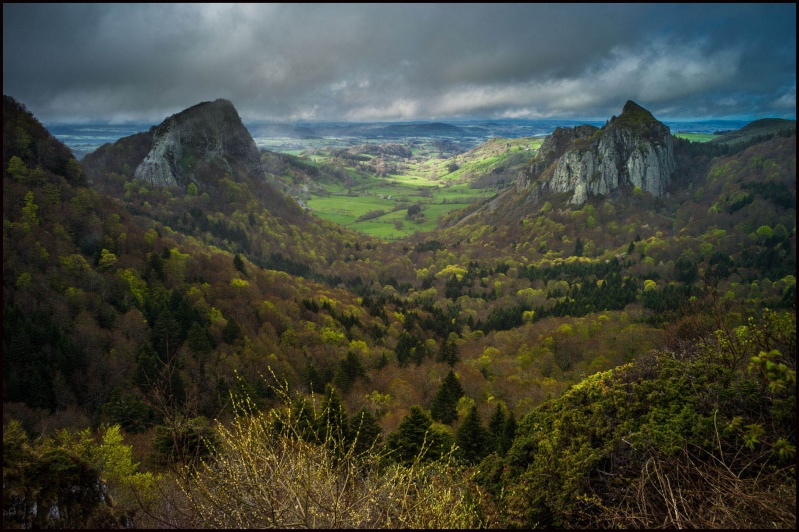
(762, 127)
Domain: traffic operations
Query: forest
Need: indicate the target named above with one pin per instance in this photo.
(223, 357)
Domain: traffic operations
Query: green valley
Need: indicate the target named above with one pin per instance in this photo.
(570, 331)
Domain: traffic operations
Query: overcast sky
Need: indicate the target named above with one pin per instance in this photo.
(141, 63)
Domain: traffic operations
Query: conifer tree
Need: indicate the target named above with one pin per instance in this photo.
(232, 331)
(444, 404)
(414, 432)
(448, 353)
(198, 339)
(313, 377)
(508, 435)
(238, 263)
(472, 438)
(348, 370)
(333, 419)
(167, 335)
(578, 248)
(496, 427)
(365, 428)
(405, 343)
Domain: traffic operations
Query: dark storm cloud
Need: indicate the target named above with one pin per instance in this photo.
(382, 62)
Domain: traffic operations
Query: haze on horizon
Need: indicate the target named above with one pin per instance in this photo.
(366, 62)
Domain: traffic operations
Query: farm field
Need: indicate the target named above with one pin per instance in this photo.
(435, 184)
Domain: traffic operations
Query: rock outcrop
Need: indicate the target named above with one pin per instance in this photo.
(198, 145)
(632, 150)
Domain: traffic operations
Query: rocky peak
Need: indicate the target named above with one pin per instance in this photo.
(631, 150)
(200, 145)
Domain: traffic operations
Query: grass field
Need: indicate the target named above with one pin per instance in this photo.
(425, 179)
(696, 137)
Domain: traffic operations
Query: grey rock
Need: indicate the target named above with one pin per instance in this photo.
(633, 150)
(203, 142)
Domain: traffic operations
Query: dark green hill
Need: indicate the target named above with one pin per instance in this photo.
(758, 128)
(122, 157)
(26, 138)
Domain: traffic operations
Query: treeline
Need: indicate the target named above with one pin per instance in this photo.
(718, 149)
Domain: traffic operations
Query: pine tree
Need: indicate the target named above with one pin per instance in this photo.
(365, 428)
(578, 248)
(405, 444)
(444, 404)
(414, 432)
(348, 370)
(508, 436)
(238, 263)
(333, 419)
(405, 343)
(198, 339)
(472, 438)
(496, 427)
(167, 335)
(448, 353)
(232, 331)
(313, 378)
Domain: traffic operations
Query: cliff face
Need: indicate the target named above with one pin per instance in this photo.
(633, 150)
(200, 144)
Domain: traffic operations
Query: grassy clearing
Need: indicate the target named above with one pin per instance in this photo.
(696, 137)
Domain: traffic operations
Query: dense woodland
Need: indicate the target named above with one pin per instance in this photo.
(222, 358)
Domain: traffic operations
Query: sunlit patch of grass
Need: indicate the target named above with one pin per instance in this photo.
(696, 137)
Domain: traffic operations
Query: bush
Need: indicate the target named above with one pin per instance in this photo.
(702, 437)
(269, 472)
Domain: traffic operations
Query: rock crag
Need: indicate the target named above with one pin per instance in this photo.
(631, 150)
(200, 145)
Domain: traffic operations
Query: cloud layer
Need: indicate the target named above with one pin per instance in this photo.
(400, 62)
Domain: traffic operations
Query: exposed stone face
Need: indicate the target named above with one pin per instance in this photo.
(632, 150)
(208, 135)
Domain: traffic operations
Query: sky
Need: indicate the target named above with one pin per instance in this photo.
(121, 63)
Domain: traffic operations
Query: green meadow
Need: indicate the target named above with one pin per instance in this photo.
(394, 195)
(696, 137)
(437, 185)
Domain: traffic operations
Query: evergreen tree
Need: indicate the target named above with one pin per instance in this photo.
(685, 271)
(348, 370)
(238, 263)
(405, 343)
(147, 368)
(444, 404)
(232, 331)
(509, 435)
(167, 335)
(365, 428)
(496, 427)
(333, 419)
(313, 378)
(578, 248)
(198, 339)
(448, 353)
(383, 361)
(414, 432)
(472, 438)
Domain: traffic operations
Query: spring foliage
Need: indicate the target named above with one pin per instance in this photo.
(269, 471)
